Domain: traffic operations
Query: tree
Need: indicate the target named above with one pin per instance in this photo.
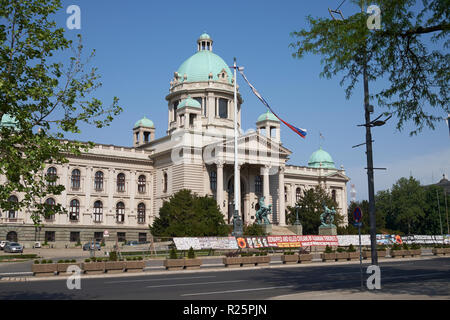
(188, 215)
(45, 99)
(409, 52)
(365, 229)
(310, 207)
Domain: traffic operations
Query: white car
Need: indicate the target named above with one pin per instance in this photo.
(3, 244)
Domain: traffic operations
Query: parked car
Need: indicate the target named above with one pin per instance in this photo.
(13, 247)
(3, 244)
(131, 243)
(92, 246)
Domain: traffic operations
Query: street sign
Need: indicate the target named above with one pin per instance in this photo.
(357, 224)
(357, 214)
(106, 233)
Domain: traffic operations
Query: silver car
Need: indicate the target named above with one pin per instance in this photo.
(13, 247)
(3, 244)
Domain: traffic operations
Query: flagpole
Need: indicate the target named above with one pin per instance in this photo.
(237, 222)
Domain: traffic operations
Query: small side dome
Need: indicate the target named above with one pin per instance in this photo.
(267, 116)
(204, 36)
(9, 122)
(189, 102)
(321, 159)
(144, 122)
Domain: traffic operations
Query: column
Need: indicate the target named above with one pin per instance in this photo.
(282, 214)
(133, 208)
(267, 131)
(219, 188)
(266, 190)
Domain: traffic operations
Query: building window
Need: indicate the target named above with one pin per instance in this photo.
(121, 182)
(51, 176)
(213, 180)
(121, 237)
(146, 136)
(223, 108)
(141, 213)
(75, 236)
(298, 194)
(142, 237)
(12, 213)
(98, 236)
(165, 182)
(120, 212)
(74, 210)
(285, 194)
(12, 236)
(75, 179)
(175, 106)
(50, 236)
(333, 194)
(98, 211)
(141, 184)
(98, 181)
(49, 209)
(258, 184)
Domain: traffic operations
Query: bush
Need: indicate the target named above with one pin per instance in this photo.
(173, 254)
(396, 246)
(231, 254)
(49, 261)
(87, 260)
(113, 256)
(381, 247)
(140, 258)
(36, 261)
(191, 253)
(405, 246)
(351, 248)
(328, 249)
(303, 251)
(415, 246)
(60, 261)
(73, 261)
(340, 249)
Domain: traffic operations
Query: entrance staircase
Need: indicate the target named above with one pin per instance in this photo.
(281, 231)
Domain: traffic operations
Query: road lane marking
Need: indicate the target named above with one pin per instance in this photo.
(233, 291)
(194, 283)
(160, 279)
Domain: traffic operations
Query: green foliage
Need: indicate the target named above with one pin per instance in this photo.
(254, 229)
(191, 253)
(340, 250)
(396, 246)
(47, 99)
(405, 246)
(311, 207)
(113, 256)
(351, 248)
(188, 215)
(87, 260)
(416, 69)
(415, 246)
(173, 254)
(36, 261)
(328, 249)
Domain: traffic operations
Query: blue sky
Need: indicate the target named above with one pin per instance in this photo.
(139, 44)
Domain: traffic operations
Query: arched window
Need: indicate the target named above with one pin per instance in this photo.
(213, 180)
(141, 184)
(141, 213)
(333, 194)
(98, 181)
(121, 182)
(11, 236)
(75, 179)
(258, 184)
(51, 176)
(98, 211)
(12, 213)
(120, 212)
(223, 108)
(298, 194)
(74, 210)
(165, 182)
(49, 209)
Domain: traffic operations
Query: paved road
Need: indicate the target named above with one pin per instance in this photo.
(426, 277)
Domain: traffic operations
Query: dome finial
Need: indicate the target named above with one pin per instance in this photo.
(204, 42)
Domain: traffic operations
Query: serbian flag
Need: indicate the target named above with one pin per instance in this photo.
(301, 132)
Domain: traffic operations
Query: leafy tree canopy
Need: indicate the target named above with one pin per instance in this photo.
(46, 98)
(409, 52)
(188, 215)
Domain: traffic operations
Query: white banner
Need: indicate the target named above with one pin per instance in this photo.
(206, 243)
(347, 240)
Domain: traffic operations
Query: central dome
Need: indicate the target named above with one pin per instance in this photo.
(321, 159)
(204, 65)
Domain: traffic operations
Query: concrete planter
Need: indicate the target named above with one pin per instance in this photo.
(290, 258)
(174, 264)
(416, 252)
(305, 258)
(43, 270)
(399, 253)
(114, 266)
(232, 262)
(192, 263)
(353, 256)
(368, 254)
(248, 261)
(93, 267)
(134, 266)
(61, 268)
(441, 251)
(327, 257)
(262, 260)
(341, 256)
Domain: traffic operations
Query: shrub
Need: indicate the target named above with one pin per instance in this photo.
(49, 261)
(113, 256)
(396, 246)
(191, 253)
(73, 261)
(173, 253)
(36, 261)
(340, 249)
(87, 260)
(60, 261)
(303, 251)
(328, 249)
(415, 246)
(351, 248)
(231, 254)
(381, 247)
(405, 246)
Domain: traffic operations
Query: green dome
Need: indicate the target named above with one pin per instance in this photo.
(144, 122)
(200, 65)
(189, 102)
(321, 157)
(205, 36)
(8, 121)
(267, 116)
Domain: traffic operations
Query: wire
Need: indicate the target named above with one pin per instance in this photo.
(340, 4)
